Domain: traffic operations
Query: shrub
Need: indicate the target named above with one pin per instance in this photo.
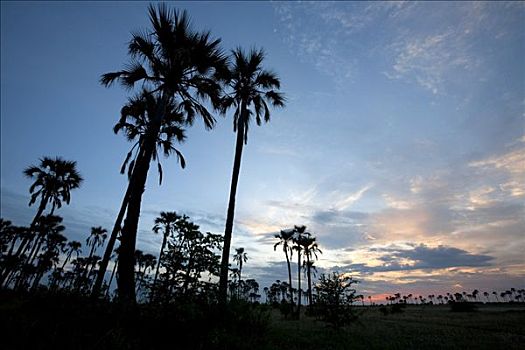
(335, 298)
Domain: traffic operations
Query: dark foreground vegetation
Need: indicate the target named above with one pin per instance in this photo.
(63, 321)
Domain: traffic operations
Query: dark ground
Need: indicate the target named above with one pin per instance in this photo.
(72, 322)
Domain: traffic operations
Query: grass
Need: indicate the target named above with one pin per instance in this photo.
(69, 322)
(417, 327)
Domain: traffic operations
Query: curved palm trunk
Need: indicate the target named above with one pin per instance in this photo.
(164, 240)
(126, 266)
(223, 282)
(111, 243)
(289, 273)
(25, 245)
(68, 257)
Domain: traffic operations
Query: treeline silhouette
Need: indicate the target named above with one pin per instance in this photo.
(512, 295)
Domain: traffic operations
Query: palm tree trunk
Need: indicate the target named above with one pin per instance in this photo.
(111, 243)
(40, 210)
(67, 259)
(111, 278)
(35, 250)
(223, 282)
(126, 266)
(299, 283)
(289, 274)
(24, 245)
(309, 279)
(164, 240)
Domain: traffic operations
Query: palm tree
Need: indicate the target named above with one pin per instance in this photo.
(165, 223)
(311, 249)
(240, 256)
(252, 89)
(179, 70)
(96, 239)
(299, 233)
(54, 180)
(72, 247)
(285, 238)
(45, 227)
(54, 243)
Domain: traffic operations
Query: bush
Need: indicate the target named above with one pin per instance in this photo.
(335, 298)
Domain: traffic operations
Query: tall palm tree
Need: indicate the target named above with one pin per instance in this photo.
(164, 223)
(285, 238)
(53, 181)
(240, 256)
(299, 233)
(179, 70)
(311, 249)
(96, 239)
(252, 90)
(45, 227)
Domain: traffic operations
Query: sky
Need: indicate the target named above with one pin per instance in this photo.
(401, 146)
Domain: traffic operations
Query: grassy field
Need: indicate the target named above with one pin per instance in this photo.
(69, 322)
(417, 327)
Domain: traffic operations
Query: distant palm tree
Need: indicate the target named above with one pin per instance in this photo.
(49, 258)
(72, 247)
(164, 223)
(53, 181)
(285, 238)
(96, 239)
(178, 69)
(311, 249)
(299, 233)
(240, 256)
(45, 227)
(252, 89)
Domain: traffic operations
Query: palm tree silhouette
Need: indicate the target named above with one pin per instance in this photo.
(164, 223)
(311, 249)
(240, 256)
(285, 238)
(299, 233)
(179, 70)
(96, 239)
(45, 226)
(252, 89)
(49, 258)
(71, 247)
(54, 180)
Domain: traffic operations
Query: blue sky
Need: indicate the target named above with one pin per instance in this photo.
(402, 145)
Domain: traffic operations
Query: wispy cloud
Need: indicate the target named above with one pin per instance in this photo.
(350, 199)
